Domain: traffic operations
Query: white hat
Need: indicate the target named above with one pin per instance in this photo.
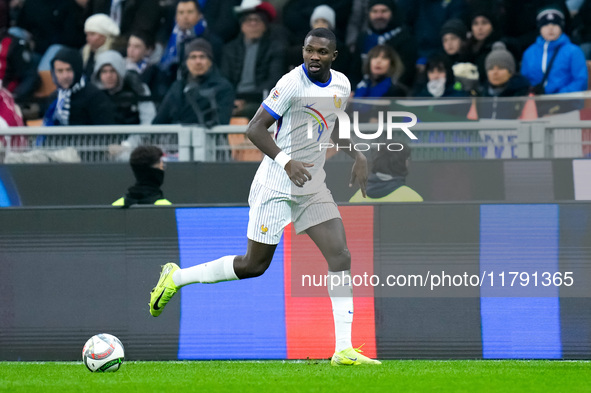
(101, 24)
(247, 5)
(323, 12)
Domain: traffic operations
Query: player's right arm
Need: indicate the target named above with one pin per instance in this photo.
(258, 133)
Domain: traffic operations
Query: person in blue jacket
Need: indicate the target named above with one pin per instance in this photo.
(568, 72)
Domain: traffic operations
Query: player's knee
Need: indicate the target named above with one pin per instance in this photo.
(340, 260)
(254, 268)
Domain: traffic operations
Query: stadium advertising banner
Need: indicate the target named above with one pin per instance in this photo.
(431, 281)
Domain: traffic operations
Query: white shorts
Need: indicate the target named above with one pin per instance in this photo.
(271, 211)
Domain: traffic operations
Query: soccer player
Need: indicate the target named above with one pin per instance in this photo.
(289, 187)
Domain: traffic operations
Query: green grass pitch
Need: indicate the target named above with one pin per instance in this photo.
(301, 376)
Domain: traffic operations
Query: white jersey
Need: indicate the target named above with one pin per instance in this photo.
(295, 101)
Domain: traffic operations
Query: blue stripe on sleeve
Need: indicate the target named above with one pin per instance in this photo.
(271, 111)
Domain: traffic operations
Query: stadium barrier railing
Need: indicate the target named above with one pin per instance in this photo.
(475, 140)
(91, 143)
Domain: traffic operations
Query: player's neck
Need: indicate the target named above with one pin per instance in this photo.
(320, 80)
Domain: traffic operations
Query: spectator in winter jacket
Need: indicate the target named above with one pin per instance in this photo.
(519, 27)
(484, 34)
(76, 101)
(130, 96)
(100, 31)
(140, 60)
(381, 73)
(502, 81)
(18, 71)
(568, 72)
(203, 96)
(189, 24)
(129, 15)
(254, 61)
(385, 27)
(454, 40)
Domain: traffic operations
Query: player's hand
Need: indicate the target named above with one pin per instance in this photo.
(297, 172)
(359, 173)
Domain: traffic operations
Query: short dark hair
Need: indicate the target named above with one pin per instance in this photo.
(438, 61)
(146, 38)
(145, 155)
(322, 32)
(392, 162)
(189, 1)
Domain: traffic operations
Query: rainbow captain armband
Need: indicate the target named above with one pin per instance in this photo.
(282, 159)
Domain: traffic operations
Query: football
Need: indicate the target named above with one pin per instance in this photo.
(103, 352)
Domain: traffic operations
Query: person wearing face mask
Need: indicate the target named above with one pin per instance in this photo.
(502, 80)
(440, 79)
(148, 169)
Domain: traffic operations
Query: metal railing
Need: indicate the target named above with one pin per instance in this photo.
(476, 140)
(91, 143)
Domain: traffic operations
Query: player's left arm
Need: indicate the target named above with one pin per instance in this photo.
(359, 171)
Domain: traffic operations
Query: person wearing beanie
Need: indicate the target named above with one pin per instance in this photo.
(76, 101)
(385, 27)
(100, 31)
(484, 34)
(189, 24)
(323, 16)
(454, 36)
(568, 72)
(129, 95)
(255, 60)
(130, 16)
(203, 96)
(520, 28)
(502, 80)
(148, 167)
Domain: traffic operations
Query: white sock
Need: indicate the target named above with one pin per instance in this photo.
(341, 296)
(207, 273)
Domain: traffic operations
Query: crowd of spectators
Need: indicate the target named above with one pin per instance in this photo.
(204, 61)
